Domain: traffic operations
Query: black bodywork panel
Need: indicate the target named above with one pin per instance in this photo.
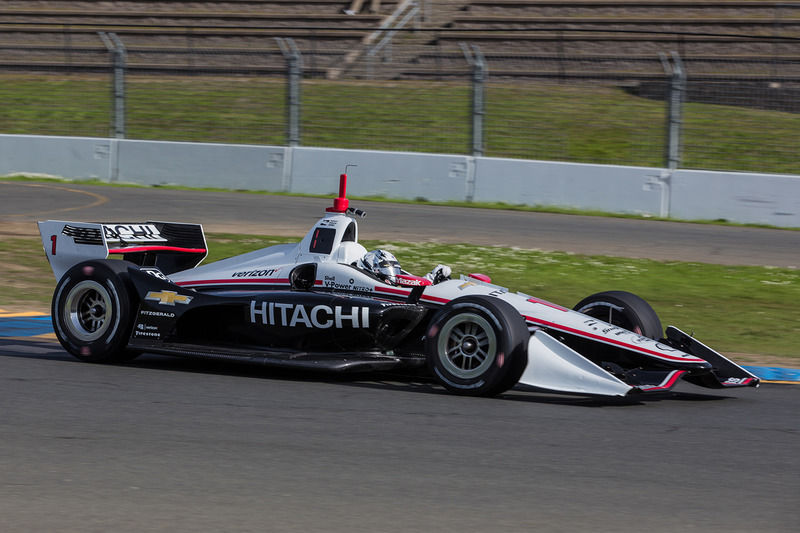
(304, 328)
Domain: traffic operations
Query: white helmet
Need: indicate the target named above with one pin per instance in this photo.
(383, 264)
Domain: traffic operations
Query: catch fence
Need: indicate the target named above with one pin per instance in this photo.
(673, 108)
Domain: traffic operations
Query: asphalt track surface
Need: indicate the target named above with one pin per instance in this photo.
(166, 444)
(22, 203)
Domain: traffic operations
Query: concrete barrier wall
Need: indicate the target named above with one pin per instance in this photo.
(202, 165)
(69, 157)
(614, 189)
(391, 174)
(752, 198)
(684, 194)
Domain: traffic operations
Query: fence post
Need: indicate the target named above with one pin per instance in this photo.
(675, 97)
(119, 56)
(480, 72)
(294, 76)
(677, 91)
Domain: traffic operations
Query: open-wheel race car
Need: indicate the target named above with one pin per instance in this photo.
(328, 304)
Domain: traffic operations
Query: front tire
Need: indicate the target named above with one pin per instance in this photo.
(623, 309)
(477, 346)
(93, 309)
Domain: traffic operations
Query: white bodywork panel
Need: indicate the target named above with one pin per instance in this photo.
(554, 366)
(62, 251)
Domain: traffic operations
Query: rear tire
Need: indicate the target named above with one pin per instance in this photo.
(623, 309)
(477, 346)
(93, 308)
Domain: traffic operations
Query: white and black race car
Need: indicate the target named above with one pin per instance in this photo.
(314, 305)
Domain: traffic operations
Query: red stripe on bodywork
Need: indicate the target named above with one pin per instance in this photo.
(392, 291)
(139, 249)
(243, 281)
(535, 300)
(745, 382)
(612, 341)
(668, 383)
(434, 299)
(402, 292)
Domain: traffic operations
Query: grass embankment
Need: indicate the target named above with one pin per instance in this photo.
(562, 122)
(733, 309)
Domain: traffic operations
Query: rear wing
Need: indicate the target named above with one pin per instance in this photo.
(170, 246)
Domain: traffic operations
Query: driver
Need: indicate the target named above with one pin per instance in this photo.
(386, 266)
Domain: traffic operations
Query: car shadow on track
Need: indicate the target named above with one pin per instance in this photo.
(31, 347)
(411, 382)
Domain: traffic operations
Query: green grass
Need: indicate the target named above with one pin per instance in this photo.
(565, 122)
(25, 273)
(733, 309)
(577, 124)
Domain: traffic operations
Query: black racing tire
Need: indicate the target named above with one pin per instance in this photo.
(477, 346)
(623, 309)
(93, 308)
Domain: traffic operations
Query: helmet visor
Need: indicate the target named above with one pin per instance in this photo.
(389, 268)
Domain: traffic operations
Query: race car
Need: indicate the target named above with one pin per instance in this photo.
(326, 303)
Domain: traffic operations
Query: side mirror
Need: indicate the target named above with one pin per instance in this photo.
(302, 277)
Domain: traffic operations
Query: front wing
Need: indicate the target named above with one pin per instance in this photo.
(554, 366)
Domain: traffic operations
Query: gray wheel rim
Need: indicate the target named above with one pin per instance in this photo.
(87, 310)
(467, 345)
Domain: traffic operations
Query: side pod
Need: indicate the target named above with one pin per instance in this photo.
(557, 367)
